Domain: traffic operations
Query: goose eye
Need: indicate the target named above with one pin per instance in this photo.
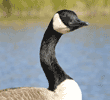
(70, 22)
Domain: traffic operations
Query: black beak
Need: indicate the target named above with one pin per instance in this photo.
(77, 24)
(82, 23)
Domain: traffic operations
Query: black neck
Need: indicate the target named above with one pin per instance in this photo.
(52, 69)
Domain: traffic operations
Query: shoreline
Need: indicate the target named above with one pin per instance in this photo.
(20, 24)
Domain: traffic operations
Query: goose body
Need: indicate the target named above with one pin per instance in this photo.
(61, 85)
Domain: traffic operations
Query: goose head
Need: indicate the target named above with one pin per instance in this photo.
(65, 21)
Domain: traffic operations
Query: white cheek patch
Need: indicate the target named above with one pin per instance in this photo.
(58, 25)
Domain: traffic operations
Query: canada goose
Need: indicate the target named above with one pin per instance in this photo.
(61, 85)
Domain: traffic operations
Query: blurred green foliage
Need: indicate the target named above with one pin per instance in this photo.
(38, 4)
(26, 9)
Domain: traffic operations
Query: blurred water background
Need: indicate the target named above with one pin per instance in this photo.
(84, 54)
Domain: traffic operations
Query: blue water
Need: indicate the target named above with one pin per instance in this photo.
(84, 55)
